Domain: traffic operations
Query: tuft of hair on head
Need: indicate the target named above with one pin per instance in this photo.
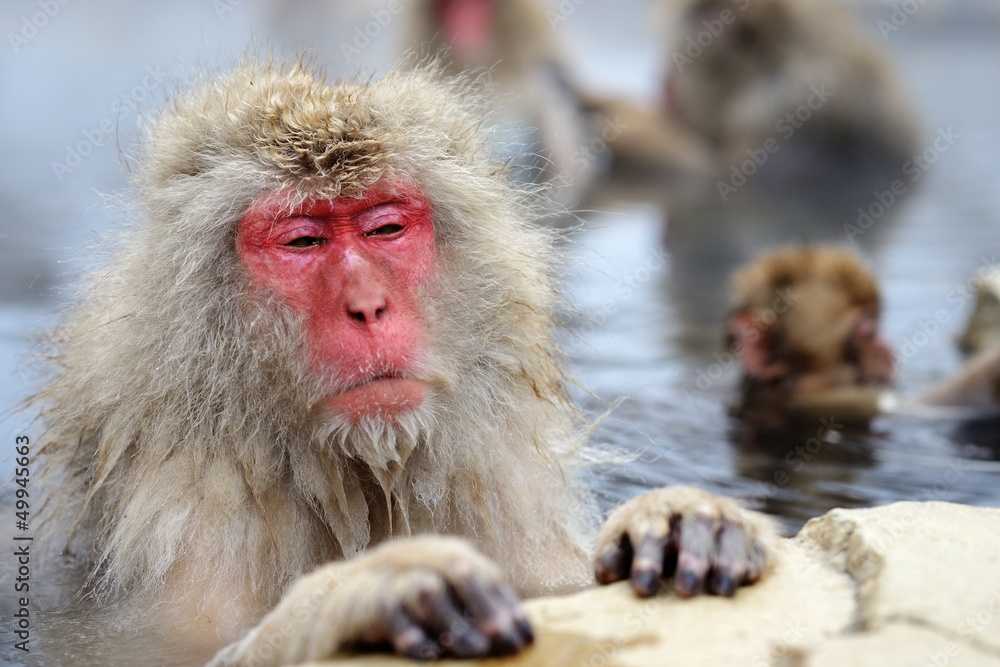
(807, 298)
(804, 268)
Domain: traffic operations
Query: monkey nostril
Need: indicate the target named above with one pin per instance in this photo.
(367, 314)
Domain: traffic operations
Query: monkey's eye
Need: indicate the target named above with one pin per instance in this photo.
(385, 230)
(306, 241)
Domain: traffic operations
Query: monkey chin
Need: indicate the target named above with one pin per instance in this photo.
(385, 399)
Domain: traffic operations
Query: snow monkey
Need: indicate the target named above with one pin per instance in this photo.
(538, 105)
(804, 324)
(761, 75)
(314, 403)
(580, 134)
(805, 327)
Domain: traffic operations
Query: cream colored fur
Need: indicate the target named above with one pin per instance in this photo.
(180, 421)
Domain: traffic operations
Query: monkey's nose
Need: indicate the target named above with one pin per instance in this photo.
(367, 309)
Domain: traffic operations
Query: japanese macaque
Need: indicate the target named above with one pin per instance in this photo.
(804, 324)
(578, 134)
(511, 37)
(983, 329)
(513, 42)
(316, 395)
(977, 384)
(769, 75)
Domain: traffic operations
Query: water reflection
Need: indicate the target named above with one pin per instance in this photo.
(794, 463)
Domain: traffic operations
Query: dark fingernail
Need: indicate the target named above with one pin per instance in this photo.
(524, 628)
(604, 576)
(722, 583)
(687, 583)
(507, 644)
(611, 567)
(471, 644)
(426, 650)
(645, 583)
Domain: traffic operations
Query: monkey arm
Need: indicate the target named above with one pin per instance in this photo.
(425, 597)
(852, 404)
(976, 385)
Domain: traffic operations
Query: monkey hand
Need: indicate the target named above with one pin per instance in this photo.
(424, 598)
(705, 542)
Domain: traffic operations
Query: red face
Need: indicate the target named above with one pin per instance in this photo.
(352, 268)
(874, 357)
(466, 25)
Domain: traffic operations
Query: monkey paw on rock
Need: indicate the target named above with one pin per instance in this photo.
(705, 542)
(425, 597)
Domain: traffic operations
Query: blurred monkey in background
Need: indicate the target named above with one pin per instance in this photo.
(579, 135)
(512, 41)
(796, 79)
(804, 324)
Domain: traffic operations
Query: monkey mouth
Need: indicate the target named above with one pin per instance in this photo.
(384, 397)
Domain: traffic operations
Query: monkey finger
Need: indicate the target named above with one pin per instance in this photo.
(730, 566)
(494, 618)
(615, 563)
(457, 636)
(521, 622)
(695, 552)
(475, 594)
(509, 638)
(408, 638)
(647, 566)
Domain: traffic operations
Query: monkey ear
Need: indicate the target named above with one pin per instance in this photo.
(753, 343)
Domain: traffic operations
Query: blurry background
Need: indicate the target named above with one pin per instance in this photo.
(650, 251)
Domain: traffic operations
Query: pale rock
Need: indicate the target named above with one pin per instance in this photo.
(906, 584)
